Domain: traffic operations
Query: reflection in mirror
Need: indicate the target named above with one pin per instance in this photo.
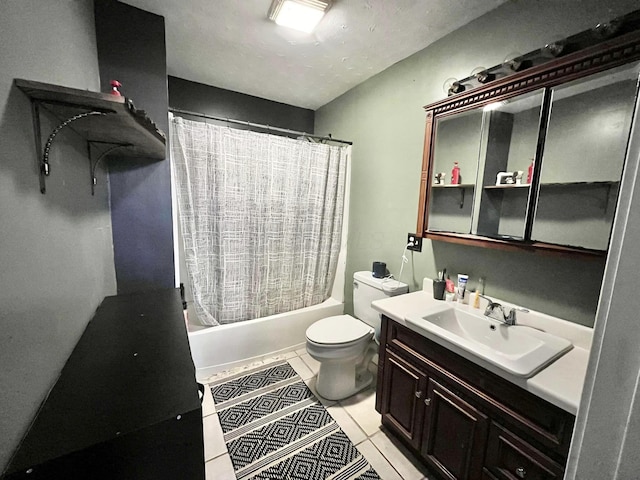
(583, 158)
(457, 144)
(509, 141)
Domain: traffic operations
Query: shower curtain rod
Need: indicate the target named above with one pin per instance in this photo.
(257, 125)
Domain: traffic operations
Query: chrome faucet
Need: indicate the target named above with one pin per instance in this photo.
(497, 311)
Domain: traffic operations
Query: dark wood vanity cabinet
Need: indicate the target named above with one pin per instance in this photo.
(404, 409)
(463, 421)
(453, 433)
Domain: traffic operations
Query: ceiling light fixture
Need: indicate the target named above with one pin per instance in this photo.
(301, 15)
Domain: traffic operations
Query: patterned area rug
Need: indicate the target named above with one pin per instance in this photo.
(275, 428)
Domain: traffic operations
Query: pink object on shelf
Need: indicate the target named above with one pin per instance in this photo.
(530, 173)
(455, 174)
(115, 84)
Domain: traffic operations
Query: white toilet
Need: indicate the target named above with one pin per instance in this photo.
(343, 344)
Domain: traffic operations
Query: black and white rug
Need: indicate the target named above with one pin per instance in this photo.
(275, 428)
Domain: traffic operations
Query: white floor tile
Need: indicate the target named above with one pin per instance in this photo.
(301, 351)
(214, 445)
(301, 368)
(311, 383)
(219, 468)
(402, 460)
(346, 423)
(362, 408)
(208, 407)
(377, 461)
(313, 364)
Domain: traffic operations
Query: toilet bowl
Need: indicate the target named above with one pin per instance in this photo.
(339, 343)
(344, 345)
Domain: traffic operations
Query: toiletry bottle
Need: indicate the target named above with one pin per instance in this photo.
(455, 174)
(462, 285)
(449, 285)
(530, 172)
(475, 299)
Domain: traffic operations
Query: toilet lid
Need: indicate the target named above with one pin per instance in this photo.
(338, 329)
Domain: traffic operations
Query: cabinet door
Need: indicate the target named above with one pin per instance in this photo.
(509, 144)
(511, 458)
(456, 142)
(584, 155)
(403, 391)
(455, 434)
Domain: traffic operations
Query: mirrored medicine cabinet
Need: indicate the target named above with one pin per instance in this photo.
(540, 153)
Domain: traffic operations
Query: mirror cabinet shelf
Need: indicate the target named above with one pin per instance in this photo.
(507, 187)
(605, 183)
(507, 244)
(553, 137)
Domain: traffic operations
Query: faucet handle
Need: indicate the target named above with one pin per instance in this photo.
(510, 314)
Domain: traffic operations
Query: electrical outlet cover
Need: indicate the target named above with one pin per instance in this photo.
(415, 241)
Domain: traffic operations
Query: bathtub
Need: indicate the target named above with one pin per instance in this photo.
(219, 348)
(223, 347)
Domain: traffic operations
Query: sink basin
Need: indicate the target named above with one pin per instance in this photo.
(519, 350)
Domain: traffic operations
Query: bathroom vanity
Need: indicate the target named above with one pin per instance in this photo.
(467, 419)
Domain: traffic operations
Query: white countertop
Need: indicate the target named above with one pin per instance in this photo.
(560, 383)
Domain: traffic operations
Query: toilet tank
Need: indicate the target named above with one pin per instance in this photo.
(366, 289)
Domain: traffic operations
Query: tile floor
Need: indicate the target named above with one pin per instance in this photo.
(355, 415)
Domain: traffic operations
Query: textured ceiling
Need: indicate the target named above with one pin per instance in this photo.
(231, 44)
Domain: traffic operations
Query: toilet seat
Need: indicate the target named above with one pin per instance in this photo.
(338, 330)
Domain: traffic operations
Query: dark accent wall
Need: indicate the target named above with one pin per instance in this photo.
(131, 49)
(201, 98)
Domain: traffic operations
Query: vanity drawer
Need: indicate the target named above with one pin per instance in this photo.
(509, 457)
(546, 426)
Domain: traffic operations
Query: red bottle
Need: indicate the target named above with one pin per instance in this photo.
(455, 174)
(530, 173)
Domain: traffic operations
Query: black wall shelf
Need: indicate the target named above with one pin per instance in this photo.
(101, 119)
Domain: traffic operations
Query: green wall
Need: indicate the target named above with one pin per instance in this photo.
(385, 119)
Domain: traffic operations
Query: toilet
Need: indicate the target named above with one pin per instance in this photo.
(345, 345)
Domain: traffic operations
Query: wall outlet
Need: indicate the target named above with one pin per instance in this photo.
(415, 241)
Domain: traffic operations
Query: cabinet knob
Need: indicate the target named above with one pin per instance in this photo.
(521, 472)
(427, 401)
(419, 394)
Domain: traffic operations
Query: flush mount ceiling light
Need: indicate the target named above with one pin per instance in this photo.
(301, 15)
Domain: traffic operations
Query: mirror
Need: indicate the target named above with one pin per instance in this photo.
(509, 141)
(457, 140)
(584, 152)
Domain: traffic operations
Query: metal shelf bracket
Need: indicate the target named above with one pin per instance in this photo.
(94, 166)
(43, 155)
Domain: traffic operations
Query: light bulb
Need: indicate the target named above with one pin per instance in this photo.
(452, 86)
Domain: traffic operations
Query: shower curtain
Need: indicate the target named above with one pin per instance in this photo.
(261, 219)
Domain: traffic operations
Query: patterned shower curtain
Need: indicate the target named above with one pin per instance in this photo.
(261, 219)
